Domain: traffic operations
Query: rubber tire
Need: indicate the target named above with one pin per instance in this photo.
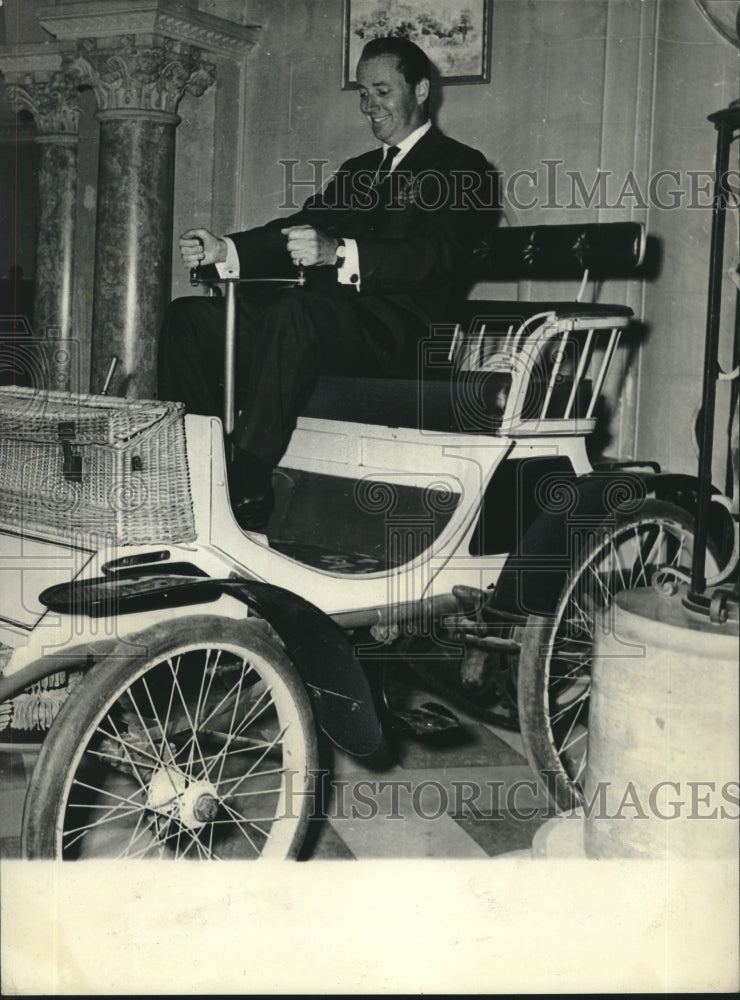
(106, 681)
(533, 672)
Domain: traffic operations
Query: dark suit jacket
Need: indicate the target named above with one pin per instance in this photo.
(414, 234)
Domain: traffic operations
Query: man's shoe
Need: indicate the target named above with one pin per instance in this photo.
(253, 512)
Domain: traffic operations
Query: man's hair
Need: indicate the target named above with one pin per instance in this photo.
(412, 61)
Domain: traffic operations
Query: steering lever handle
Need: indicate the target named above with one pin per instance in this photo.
(194, 276)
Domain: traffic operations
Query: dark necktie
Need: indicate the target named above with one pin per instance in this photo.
(385, 166)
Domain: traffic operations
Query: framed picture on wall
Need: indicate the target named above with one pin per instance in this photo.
(455, 34)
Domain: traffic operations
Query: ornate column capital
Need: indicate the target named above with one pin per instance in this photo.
(50, 98)
(148, 20)
(35, 81)
(126, 75)
(143, 55)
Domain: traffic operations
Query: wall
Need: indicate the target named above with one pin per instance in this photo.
(696, 74)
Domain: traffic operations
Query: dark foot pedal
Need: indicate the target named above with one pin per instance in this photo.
(426, 720)
(469, 599)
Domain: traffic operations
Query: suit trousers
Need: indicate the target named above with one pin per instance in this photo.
(285, 340)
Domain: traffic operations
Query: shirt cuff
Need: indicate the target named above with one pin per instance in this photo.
(229, 268)
(349, 272)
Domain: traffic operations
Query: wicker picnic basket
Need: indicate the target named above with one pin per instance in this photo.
(93, 468)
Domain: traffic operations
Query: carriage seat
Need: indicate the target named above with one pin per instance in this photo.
(464, 361)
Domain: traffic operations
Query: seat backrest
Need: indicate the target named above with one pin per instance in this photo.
(555, 363)
(556, 354)
(605, 250)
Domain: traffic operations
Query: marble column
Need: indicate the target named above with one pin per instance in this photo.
(49, 98)
(138, 88)
(133, 247)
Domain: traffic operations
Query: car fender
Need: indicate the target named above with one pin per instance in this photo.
(316, 645)
(573, 508)
(322, 655)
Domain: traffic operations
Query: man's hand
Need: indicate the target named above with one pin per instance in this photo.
(200, 246)
(309, 247)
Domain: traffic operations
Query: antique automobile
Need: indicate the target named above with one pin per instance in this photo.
(183, 676)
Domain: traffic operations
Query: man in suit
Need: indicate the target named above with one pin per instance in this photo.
(384, 248)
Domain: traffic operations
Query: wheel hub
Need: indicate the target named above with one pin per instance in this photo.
(192, 805)
(205, 808)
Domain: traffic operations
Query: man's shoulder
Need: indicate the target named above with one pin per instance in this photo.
(363, 161)
(453, 148)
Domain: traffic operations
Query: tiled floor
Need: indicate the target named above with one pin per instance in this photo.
(471, 795)
(468, 793)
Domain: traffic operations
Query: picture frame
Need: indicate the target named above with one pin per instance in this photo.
(455, 35)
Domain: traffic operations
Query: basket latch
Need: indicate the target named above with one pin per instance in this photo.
(71, 459)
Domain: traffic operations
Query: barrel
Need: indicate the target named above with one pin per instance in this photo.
(662, 772)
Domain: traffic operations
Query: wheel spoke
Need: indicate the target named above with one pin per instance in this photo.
(147, 839)
(236, 687)
(143, 834)
(116, 736)
(116, 761)
(570, 743)
(112, 795)
(583, 697)
(241, 827)
(144, 725)
(646, 553)
(220, 758)
(114, 814)
(251, 820)
(211, 832)
(164, 726)
(73, 834)
(183, 702)
(251, 747)
(601, 587)
(565, 681)
(210, 671)
(251, 773)
(256, 791)
(144, 825)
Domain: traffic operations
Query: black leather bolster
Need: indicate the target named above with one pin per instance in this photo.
(607, 249)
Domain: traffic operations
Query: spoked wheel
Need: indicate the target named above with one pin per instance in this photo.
(197, 744)
(554, 675)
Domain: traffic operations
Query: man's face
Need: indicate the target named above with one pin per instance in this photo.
(393, 107)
